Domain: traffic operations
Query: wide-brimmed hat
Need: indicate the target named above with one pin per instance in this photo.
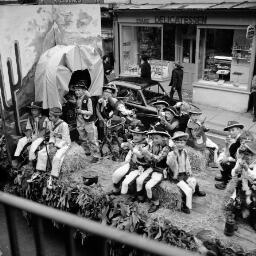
(36, 105)
(172, 110)
(232, 124)
(139, 129)
(55, 111)
(159, 130)
(110, 87)
(81, 84)
(194, 110)
(179, 134)
(160, 102)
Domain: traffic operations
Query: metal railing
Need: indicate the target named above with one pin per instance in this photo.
(11, 203)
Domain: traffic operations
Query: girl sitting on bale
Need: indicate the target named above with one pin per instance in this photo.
(243, 200)
(134, 162)
(179, 165)
(156, 156)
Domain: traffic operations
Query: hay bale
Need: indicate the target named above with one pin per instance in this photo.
(198, 159)
(169, 195)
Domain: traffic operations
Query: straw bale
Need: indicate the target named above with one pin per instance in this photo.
(198, 160)
(169, 195)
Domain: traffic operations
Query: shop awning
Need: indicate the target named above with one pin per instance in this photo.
(143, 5)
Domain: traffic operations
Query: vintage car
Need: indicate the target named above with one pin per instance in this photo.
(140, 94)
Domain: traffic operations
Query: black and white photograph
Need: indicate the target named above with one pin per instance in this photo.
(127, 128)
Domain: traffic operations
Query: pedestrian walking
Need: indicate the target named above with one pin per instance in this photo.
(176, 80)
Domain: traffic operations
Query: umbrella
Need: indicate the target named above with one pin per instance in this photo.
(55, 67)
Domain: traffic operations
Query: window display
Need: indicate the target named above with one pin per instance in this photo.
(227, 57)
(142, 40)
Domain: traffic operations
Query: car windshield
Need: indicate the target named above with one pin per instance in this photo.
(153, 92)
(129, 95)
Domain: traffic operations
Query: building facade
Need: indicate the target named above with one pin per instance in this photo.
(210, 40)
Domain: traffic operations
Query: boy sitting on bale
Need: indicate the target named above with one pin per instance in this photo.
(243, 200)
(227, 159)
(156, 156)
(60, 141)
(179, 164)
(134, 162)
(35, 131)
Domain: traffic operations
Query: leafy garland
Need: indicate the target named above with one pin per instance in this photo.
(92, 202)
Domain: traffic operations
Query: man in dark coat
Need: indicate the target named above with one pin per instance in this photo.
(145, 68)
(176, 80)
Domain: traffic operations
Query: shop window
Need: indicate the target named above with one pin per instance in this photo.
(169, 42)
(189, 50)
(142, 40)
(226, 61)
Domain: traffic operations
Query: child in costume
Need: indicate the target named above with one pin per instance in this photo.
(134, 162)
(179, 165)
(243, 200)
(227, 159)
(156, 155)
(59, 139)
(86, 119)
(35, 131)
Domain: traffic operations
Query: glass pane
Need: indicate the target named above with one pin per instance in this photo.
(227, 57)
(137, 41)
(169, 42)
(186, 51)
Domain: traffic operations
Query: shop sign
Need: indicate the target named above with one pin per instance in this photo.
(67, 2)
(197, 20)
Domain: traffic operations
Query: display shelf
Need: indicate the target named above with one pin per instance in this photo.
(238, 49)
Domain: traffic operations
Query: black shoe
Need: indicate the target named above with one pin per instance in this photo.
(95, 160)
(200, 193)
(141, 199)
(218, 178)
(116, 192)
(220, 186)
(88, 181)
(185, 209)
(153, 208)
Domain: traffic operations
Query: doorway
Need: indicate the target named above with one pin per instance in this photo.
(187, 53)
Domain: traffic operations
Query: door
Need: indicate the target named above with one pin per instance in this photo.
(188, 61)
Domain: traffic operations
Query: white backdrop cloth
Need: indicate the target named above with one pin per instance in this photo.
(55, 67)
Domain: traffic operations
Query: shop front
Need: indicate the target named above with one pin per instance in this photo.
(210, 43)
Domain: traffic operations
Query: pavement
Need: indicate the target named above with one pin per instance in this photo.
(216, 119)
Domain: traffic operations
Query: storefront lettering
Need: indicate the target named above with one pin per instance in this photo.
(181, 19)
(142, 20)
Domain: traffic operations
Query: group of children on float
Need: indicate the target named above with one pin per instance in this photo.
(153, 157)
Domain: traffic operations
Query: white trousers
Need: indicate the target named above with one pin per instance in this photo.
(56, 162)
(156, 178)
(21, 144)
(140, 180)
(128, 179)
(35, 144)
(188, 188)
(210, 144)
(120, 173)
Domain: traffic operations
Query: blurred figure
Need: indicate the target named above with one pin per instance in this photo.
(145, 68)
(176, 80)
(107, 68)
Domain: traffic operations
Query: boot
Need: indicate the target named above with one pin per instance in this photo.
(220, 186)
(198, 192)
(230, 226)
(185, 209)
